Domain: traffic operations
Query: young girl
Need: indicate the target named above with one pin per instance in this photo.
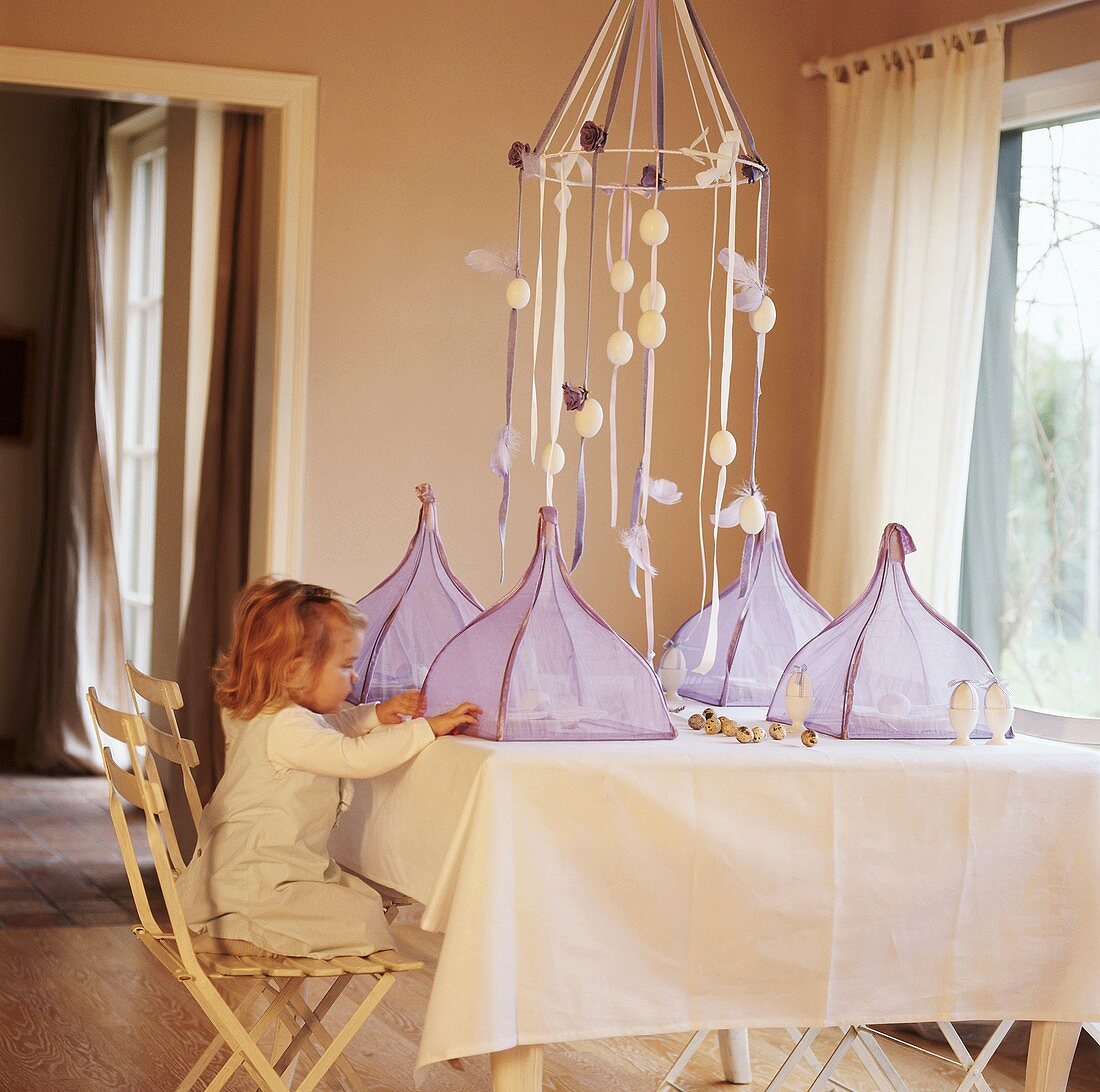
(261, 879)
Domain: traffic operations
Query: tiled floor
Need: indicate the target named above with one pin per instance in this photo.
(59, 862)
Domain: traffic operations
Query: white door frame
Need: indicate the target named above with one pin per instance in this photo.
(288, 102)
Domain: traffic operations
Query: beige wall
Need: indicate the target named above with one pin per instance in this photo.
(33, 132)
(418, 105)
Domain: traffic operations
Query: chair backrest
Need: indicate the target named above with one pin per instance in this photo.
(136, 787)
(152, 742)
(166, 694)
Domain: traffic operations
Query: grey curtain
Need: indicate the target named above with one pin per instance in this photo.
(981, 588)
(75, 632)
(221, 552)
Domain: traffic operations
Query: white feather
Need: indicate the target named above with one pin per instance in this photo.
(636, 541)
(500, 462)
(729, 515)
(746, 275)
(492, 261)
(664, 491)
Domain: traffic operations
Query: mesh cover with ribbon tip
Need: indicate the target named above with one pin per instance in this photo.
(543, 665)
(885, 668)
(412, 614)
(764, 617)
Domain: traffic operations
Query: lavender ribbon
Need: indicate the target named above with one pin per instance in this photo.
(510, 366)
(582, 511)
(746, 132)
(756, 408)
(506, 487)
(639, 474)
(595, 142)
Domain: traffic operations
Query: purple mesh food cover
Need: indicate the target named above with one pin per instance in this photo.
(885, 668)
(412, 614)
(543, 665)
(764, 617)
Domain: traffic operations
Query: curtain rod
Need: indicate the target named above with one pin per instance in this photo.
(816, 70)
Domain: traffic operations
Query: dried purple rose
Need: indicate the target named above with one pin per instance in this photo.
(755, 170)
(516, 153)
(593, 138)
(651, 178)
(575, 397)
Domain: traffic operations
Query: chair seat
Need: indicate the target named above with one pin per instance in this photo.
(217, 965)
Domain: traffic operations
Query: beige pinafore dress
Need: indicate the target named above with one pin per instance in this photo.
(262, 871)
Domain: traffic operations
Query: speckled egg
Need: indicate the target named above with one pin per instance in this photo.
(809, 737)
(777, 731)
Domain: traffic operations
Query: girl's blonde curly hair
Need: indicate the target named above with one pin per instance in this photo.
(282, 632)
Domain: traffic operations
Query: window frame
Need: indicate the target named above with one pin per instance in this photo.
(1030, 102)
(141, 137)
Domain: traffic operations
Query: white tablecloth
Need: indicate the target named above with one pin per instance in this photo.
(603, 889)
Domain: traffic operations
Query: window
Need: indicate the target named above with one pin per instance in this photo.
(138, 209)
(1031, 568)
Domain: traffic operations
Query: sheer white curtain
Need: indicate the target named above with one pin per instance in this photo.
(74, 639)
(912, 175)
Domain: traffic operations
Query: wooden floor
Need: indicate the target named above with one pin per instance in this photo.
(83, 1007)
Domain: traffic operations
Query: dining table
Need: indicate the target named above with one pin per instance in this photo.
(587, 890)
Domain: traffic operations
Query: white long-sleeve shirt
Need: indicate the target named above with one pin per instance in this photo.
(361, 746)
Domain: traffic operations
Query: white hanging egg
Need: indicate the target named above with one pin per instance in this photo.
(653, 297)
(620, 348)
(622, 276)
(518, 293)
(651, 328)
(589, 418)
(553, 458)
(752, 515)
(763, 318)
(723, 448)
(653, 227)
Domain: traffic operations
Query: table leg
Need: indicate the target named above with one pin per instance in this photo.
(517, 1070)
(733, 1045)
(1050, 1056)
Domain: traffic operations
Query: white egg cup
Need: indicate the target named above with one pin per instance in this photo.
(962, 712)
(800, 699)
(672, 672)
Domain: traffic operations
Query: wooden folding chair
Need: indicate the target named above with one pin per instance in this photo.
(276, 979)
(166, 694)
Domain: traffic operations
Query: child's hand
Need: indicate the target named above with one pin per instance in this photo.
(409, 704)
(461, 716)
